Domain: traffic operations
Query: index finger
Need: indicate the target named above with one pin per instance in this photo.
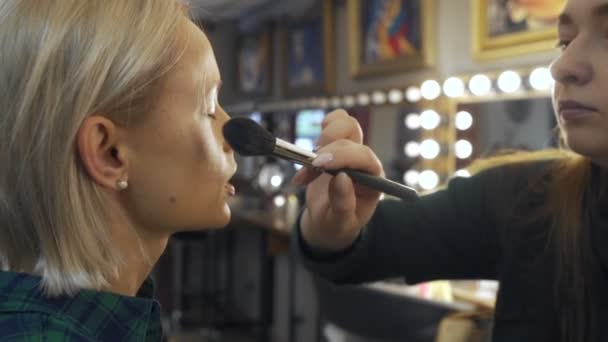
(340, 125)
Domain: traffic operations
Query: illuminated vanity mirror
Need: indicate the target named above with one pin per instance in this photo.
(488, 127)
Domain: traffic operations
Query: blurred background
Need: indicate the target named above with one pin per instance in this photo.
(435, 84)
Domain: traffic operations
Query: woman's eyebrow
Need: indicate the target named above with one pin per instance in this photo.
(597, 12)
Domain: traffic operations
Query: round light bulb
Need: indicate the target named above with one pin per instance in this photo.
(324, 103)
(279, 201)
(463, 149)
(412, 121)
(480, 85)
(276, 181)
(413, 94)
(395, 96)
(463, 120)
(429, 119)
(428, 180)
(509, 81)
(349, 101)
(412, 149)
(363, 99)
(453, 87)
(336, 102)
(429, 149)
(541, 79)
(378, 97)
(410, 177)
(430, 89)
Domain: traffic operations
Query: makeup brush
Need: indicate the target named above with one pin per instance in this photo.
(250, 139)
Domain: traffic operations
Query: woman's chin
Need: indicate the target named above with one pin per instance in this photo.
(588, 146)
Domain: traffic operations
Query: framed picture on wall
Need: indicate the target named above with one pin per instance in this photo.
(505, 28)
(387, 36)
(308, 60)
(254, 62)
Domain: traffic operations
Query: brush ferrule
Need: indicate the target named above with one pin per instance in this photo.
(295, 149)
(294, 153)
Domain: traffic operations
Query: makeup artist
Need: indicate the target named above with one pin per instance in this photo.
(534, 221)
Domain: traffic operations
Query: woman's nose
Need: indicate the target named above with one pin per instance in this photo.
(572, 67)
(223, 117)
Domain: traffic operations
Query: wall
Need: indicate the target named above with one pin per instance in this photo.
(453, 57)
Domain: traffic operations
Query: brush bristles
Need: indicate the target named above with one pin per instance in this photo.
(248, 138)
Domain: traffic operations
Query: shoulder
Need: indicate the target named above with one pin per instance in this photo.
(35, 326)
(514, 180)
(518, 171)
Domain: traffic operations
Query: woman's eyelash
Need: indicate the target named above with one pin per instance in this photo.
(562, 44)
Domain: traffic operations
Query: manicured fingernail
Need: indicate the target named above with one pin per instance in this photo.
(322, 159)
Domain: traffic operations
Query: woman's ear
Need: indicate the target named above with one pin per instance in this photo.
(102, 152)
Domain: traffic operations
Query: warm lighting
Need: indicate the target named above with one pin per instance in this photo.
(453, 87)
(509, 81)
(463, 120)
(279, 201)
(349, 101)
(413, 94)
(429, 119)
(363, 99)
(480, 85)
(463, 149)
(336, 102)
(276, 181)
(462, 173)
(395, 96)
(324, 103)
(429, 149)
(428, 180)
(412, 121)
(541, 79)
(410, 177)
(378, 97)
(412, 149)
(430, 89)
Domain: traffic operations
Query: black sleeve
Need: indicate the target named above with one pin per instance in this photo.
(449, 234)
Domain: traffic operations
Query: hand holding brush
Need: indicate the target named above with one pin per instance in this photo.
(250, 139)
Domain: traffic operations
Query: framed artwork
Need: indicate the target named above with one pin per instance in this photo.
(308, 60)
(390, 35)
(506, 28)
(254, 62)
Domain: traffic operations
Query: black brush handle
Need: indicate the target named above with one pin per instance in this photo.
(379, 183)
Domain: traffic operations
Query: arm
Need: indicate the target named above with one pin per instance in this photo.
(449, 234)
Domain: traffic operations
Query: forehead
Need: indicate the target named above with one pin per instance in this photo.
(196, 69)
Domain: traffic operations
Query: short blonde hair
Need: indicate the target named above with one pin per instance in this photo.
(60, 61)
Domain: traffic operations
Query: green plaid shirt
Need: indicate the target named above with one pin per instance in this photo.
(27, 315)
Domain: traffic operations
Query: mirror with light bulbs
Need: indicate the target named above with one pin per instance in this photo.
(487, 128)
(479, 115)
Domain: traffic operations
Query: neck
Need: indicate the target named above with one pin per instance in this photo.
(140, 250)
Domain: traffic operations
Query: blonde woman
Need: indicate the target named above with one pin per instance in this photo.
(538, 222)
(111, 142)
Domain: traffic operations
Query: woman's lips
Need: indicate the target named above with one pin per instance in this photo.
(572, 110)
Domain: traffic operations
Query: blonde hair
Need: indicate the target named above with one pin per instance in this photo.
(60, 61)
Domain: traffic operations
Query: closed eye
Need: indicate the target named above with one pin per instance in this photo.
(562, 44)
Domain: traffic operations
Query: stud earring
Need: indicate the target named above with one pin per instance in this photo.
(122, 184)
